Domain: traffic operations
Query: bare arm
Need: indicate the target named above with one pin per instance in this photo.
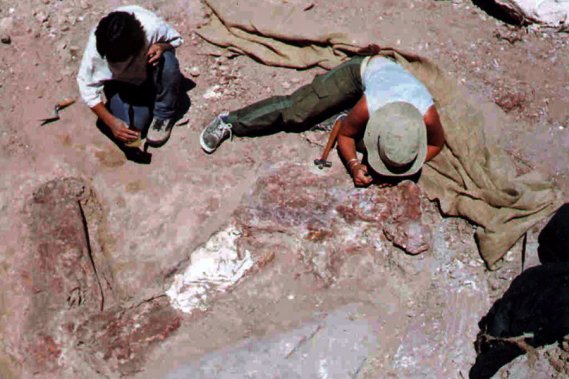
(119, 129)
(156, 50)
(352, 128)
(435, 133)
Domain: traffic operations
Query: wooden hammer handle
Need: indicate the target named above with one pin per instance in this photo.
(332, 139)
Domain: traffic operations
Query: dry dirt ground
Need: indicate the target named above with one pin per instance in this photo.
(402, 316)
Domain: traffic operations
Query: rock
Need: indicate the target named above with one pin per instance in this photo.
(6, 27)
(549, 362)
(330, 216)
(334, 347)
(510, 100)
(41, 17)
(413, 237)
(69, 313)
(547, 12)
(59, 273)
(329, 219)
(195, 71)
(212, 92)
(116, 341)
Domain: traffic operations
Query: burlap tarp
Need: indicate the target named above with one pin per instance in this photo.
(469, 178)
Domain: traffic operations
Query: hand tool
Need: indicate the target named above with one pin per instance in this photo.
(59, 106)
(323, 161)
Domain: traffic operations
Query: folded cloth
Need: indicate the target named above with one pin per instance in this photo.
(469, 178)
(279, 35)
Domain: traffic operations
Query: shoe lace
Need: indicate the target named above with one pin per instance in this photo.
(159, 124)
(223, 128)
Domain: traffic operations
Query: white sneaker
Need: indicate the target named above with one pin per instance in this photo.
(215, 133)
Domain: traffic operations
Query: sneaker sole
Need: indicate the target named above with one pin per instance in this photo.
(159, 142)
(205, 148)
(156, 143)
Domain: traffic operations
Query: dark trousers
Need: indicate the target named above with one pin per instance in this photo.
(156, 97)
(554, 238)
(327, 95)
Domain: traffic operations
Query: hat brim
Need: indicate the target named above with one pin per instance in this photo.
(377, 123)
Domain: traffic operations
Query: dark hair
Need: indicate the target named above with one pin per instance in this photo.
(119, 36)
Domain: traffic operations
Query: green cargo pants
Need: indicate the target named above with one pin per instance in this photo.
(327, 95)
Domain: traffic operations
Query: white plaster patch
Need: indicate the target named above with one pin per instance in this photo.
(214, 268)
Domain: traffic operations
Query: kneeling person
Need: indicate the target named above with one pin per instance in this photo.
(392, 113)
(130, 58)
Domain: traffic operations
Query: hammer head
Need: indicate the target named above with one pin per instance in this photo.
(321, 163)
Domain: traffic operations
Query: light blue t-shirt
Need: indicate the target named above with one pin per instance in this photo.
(385, 82)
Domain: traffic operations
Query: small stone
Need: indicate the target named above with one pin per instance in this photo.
(6, 26)
(74, 50)
(195, 71)
(212, 93)
(42, 17)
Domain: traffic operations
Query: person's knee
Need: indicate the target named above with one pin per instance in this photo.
(170, 66)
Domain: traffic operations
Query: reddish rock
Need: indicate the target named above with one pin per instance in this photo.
(43, 354)
(71, 305)
(510, 101)
(63, 263)
(331, 218)
(117, 340)
(60, 272)
(412, 236)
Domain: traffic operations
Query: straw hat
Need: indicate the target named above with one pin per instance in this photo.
(396, 140)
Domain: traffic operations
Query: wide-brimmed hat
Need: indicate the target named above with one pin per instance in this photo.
(396, 140)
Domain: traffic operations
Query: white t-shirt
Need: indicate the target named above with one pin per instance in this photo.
(385, 82)
(95, 70)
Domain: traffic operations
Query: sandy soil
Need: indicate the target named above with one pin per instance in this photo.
(157, 214)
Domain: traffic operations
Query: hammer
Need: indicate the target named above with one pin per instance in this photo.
(323, 161)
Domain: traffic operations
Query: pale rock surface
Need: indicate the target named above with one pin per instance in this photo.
(553, 13)
(335, 345)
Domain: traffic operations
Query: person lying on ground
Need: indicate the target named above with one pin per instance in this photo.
(393, 119)
(130, 58)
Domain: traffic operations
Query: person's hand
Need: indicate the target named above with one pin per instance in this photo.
(121, 131)
(360, 175)
(155, 51)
